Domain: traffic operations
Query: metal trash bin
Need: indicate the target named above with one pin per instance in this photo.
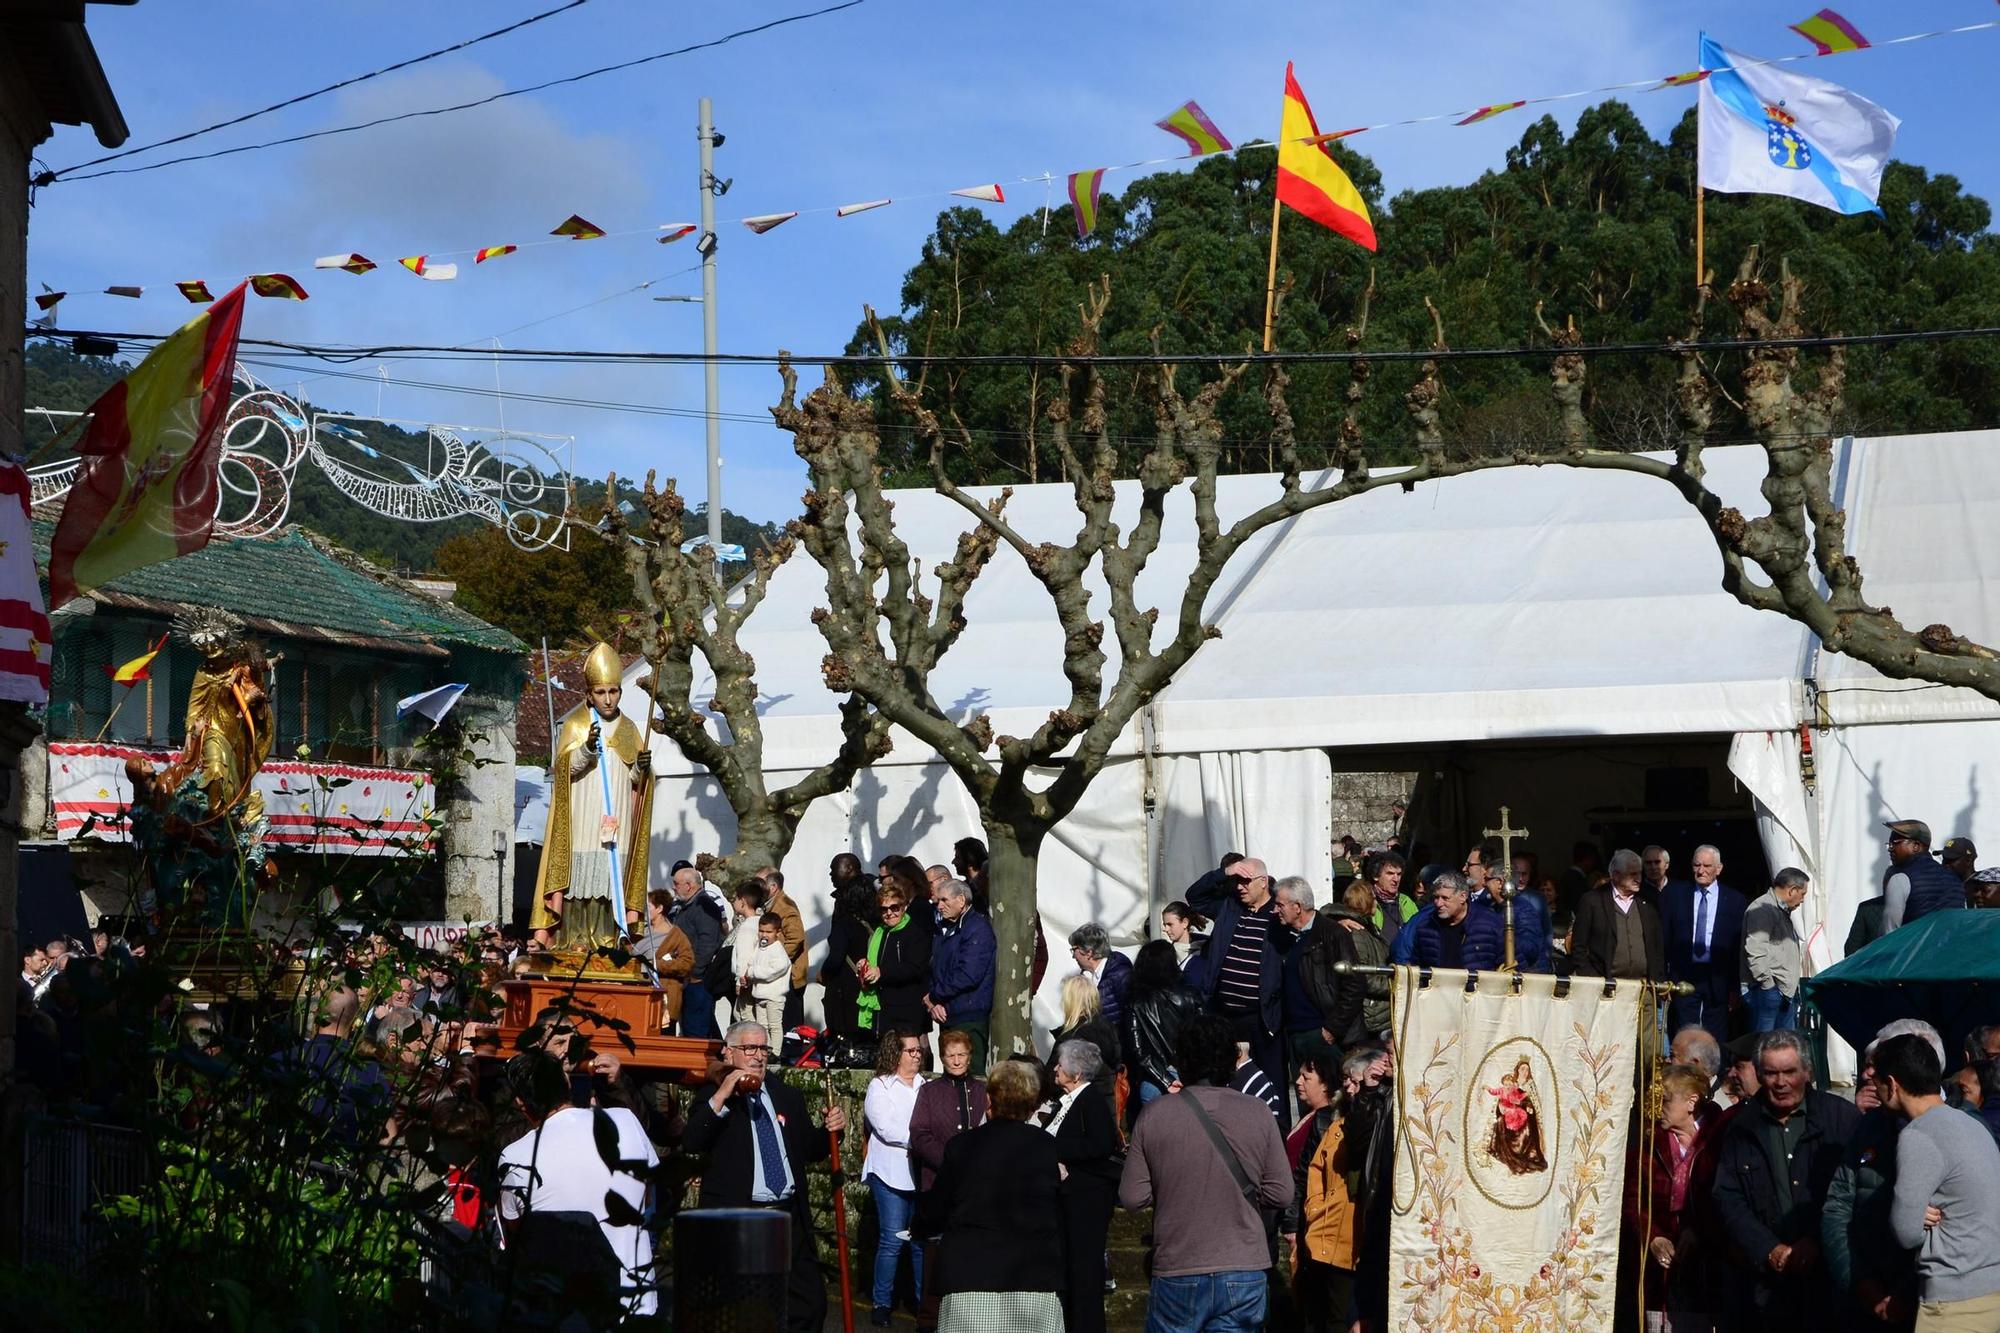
(730, 1268)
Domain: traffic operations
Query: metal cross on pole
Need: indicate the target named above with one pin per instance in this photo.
(1507, 836)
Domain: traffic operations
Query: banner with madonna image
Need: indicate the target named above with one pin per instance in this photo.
(1510, 1151)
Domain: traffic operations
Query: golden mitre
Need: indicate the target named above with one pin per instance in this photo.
(602, 667)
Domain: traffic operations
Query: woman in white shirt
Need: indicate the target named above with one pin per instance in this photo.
(892, 1096)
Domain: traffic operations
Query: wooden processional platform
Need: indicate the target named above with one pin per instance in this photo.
(636, 1012)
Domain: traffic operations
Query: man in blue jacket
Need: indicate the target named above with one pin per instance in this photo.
(961, 994)
(1245, 977)
(1448, 933)
(1486, 876)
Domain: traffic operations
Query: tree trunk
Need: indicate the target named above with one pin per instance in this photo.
(763, 837)
(1013, 853)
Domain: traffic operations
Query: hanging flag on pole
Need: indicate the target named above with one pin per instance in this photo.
(146, 491)
(1829, 33)
(1189, 123)
(1768, 131)
(433, 704)
(1083, 190)
(990, 194)
(139, 668)
(26, 646)
(1310, 181)
(494, 252)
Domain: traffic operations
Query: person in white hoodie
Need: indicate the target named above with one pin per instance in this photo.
(763, 971)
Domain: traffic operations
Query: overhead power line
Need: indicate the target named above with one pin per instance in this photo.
(49, 177)
(340, 354)
(64, 175)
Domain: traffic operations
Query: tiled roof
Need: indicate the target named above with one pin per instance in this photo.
(297, 580)
(531, 717)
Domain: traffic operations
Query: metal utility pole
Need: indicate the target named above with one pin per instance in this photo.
(711, 373)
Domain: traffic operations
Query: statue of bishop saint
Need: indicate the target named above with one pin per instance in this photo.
(600, 801)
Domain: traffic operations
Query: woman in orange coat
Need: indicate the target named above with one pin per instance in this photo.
(1326, 1234)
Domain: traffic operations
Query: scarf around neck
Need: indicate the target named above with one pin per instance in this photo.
(870, 1002)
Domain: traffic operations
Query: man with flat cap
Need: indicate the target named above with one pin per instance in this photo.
(1917, 884)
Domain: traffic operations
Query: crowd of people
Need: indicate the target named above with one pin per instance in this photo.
(1233, 1077)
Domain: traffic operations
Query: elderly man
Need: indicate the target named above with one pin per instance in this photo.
(759, 1140)
(1773, 953)
(961, 993)
(1703, 925)
(1486, 877)
(1448, 933)
(700, 920)
(1654, 862)
(1300, 1014)
(1774, 1163)
(1698, 1047)
(1245, 978)
(1617, 932)
(1917, 885)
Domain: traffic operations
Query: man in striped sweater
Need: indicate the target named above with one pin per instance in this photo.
(1246, 969)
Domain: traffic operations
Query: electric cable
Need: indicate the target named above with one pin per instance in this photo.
(724, 40)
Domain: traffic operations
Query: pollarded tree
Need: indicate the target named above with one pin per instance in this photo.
(885, 635)
(685, 610)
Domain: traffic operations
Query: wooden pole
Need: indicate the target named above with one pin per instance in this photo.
(1271, 277)
(1700, 262)
(840, 1217)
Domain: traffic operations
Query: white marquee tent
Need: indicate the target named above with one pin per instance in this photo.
(1517, 606)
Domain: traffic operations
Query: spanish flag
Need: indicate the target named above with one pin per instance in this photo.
(146, 491)
(1309, 180)
(139, 668)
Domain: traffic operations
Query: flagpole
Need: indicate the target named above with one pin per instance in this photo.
(1700, 196)
(1271, 277)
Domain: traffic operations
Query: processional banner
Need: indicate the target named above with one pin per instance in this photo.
(1510, 1151)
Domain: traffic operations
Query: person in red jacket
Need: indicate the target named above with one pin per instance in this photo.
(1670, 1236)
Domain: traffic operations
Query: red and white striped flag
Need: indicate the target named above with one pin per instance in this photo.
(26, 646)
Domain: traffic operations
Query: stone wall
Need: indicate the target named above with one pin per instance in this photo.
(1363, 803)
(477, 884)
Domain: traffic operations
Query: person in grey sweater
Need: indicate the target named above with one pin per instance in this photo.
(1773, 954)
(1209, 1247)
(1947, 1205)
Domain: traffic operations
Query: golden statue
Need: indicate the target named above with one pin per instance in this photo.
(600, 815)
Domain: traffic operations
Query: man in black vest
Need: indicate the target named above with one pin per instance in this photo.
(759, 1141)
(1917, 885)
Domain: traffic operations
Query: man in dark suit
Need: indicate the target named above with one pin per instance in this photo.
(1703, 923)
(1618, 932)
(759, 1141)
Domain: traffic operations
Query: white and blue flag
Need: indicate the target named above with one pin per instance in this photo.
(1767, 131)
(433, 704)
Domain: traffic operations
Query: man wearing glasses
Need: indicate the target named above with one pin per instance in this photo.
(1917, 885)
(759, 1140)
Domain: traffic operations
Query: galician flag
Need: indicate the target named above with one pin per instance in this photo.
(146, 491)
(1766, 131)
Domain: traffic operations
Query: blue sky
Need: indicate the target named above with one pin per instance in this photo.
(896, 98)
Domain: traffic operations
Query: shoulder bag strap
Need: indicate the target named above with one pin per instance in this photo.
(1222, 1148)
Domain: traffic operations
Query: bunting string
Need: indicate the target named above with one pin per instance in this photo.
(1827, 32)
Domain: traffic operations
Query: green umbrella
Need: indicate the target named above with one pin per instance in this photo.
(1944, 969)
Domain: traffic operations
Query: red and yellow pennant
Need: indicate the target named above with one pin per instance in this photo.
(1309, 180)
(673, 231)
(1680, 80)
(1489, 112)
(196, 292)
(139, 668)
(277, 286)
(577, 229)
(352, 263)
(1829, 33)
(1084, 187)
(146, 489)
(494, 252)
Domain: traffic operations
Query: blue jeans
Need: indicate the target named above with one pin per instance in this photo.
(893, 1210)
(697, 1011)
(1770, 1008)
(1149, 1092)
(1220, 1302)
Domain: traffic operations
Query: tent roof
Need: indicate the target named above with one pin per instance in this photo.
(1509, 604)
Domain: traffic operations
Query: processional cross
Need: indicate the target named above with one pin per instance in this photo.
(1507, 836)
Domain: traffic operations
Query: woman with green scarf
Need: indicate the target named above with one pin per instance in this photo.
(897, 970)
